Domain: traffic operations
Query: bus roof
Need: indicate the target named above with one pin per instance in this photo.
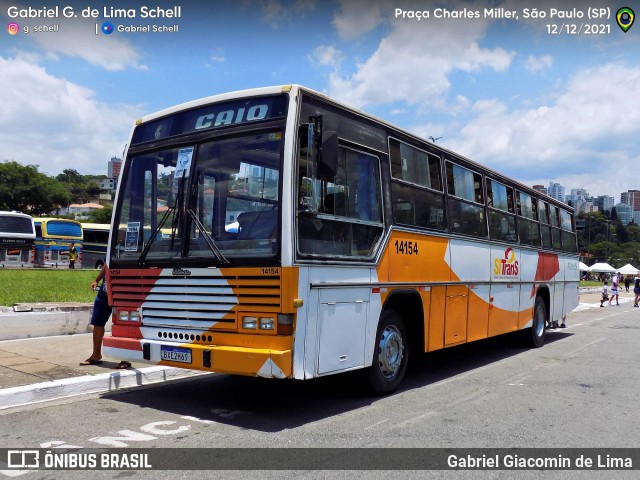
(14, 213)
(96, 226)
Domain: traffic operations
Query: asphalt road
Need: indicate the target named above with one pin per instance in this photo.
(580, 390)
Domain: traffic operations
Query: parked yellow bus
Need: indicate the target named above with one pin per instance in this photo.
(354, 243)
(54, 237)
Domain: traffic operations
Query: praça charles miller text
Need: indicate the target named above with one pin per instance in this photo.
(500, 13)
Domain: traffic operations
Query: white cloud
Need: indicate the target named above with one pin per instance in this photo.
(535, 64)
(57, 124)
(413, 61)
(111, 52)
(357, 17)
(583, 133)
(327, 55)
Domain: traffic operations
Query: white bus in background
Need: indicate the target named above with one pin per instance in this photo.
(17, 236)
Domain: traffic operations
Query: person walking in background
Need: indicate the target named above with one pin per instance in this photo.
(615, 286)
(99, 318)
(73, 256)
(605, 294)
(636, 289)
(627, 282)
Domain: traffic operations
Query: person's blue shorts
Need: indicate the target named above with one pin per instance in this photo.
(101, 310)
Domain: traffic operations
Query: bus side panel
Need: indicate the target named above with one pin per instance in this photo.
(557, 307)
(532, 267)
(478, 321)
(572, 275)
(569, 266)
(436, 320)
(455, 331)
(505, 291)
(470, 262)
(427, 259)
(342, 321)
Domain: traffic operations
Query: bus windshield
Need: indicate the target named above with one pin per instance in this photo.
(214, 202)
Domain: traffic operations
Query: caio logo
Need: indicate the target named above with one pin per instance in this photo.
(507, 266)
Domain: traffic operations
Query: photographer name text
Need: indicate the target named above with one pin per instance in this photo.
(90, 12)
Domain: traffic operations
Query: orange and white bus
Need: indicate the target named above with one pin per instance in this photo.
(307, 238)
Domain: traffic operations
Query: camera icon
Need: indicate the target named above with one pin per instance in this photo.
(13, 28)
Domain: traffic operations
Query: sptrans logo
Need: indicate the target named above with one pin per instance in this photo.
(506, 267)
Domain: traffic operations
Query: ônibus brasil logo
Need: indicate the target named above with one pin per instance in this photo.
(507, 266)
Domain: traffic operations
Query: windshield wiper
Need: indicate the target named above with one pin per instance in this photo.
(175, 210)
(210, 241)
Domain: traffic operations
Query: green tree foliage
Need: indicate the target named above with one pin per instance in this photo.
(608, 240)
(25, 189)
(101, 215)
(79, 188)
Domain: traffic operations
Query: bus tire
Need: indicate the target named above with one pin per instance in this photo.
(536, 334)
(390, 355)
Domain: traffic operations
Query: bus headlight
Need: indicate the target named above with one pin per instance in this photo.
(250, 323)
(267, 323)
(129, 316)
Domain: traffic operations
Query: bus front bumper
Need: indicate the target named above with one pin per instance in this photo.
(260, 362)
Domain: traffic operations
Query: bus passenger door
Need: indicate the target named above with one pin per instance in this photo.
(342, 321)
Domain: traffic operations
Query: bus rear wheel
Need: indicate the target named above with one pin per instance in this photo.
(536, 334)
(391, 354)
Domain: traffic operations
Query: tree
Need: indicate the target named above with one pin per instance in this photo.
(621, 233)
(101, 215)
(25, 189)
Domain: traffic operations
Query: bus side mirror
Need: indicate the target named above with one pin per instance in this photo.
(328, 155)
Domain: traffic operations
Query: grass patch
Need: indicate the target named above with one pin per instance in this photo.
(36, 285)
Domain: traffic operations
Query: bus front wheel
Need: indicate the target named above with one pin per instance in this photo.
(391, 354)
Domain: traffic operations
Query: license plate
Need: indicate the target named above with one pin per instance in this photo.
(175, 354)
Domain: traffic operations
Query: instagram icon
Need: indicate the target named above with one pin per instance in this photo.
(13, 28)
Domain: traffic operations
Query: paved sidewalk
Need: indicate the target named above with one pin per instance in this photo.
(34, 370)
(43, 368)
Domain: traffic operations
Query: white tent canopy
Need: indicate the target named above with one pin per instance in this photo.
(628, 269)
(583, 267)
(602, 267)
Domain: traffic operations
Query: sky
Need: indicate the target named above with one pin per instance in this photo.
(553, 99)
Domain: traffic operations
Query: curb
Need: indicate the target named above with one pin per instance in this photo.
(106, 382)
(45, 323)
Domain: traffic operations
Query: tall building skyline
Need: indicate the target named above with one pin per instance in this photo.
(113, 167)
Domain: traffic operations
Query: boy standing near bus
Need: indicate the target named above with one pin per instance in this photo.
(99, 318)
(73, 256)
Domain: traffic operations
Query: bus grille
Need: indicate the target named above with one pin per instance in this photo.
(200, 301)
